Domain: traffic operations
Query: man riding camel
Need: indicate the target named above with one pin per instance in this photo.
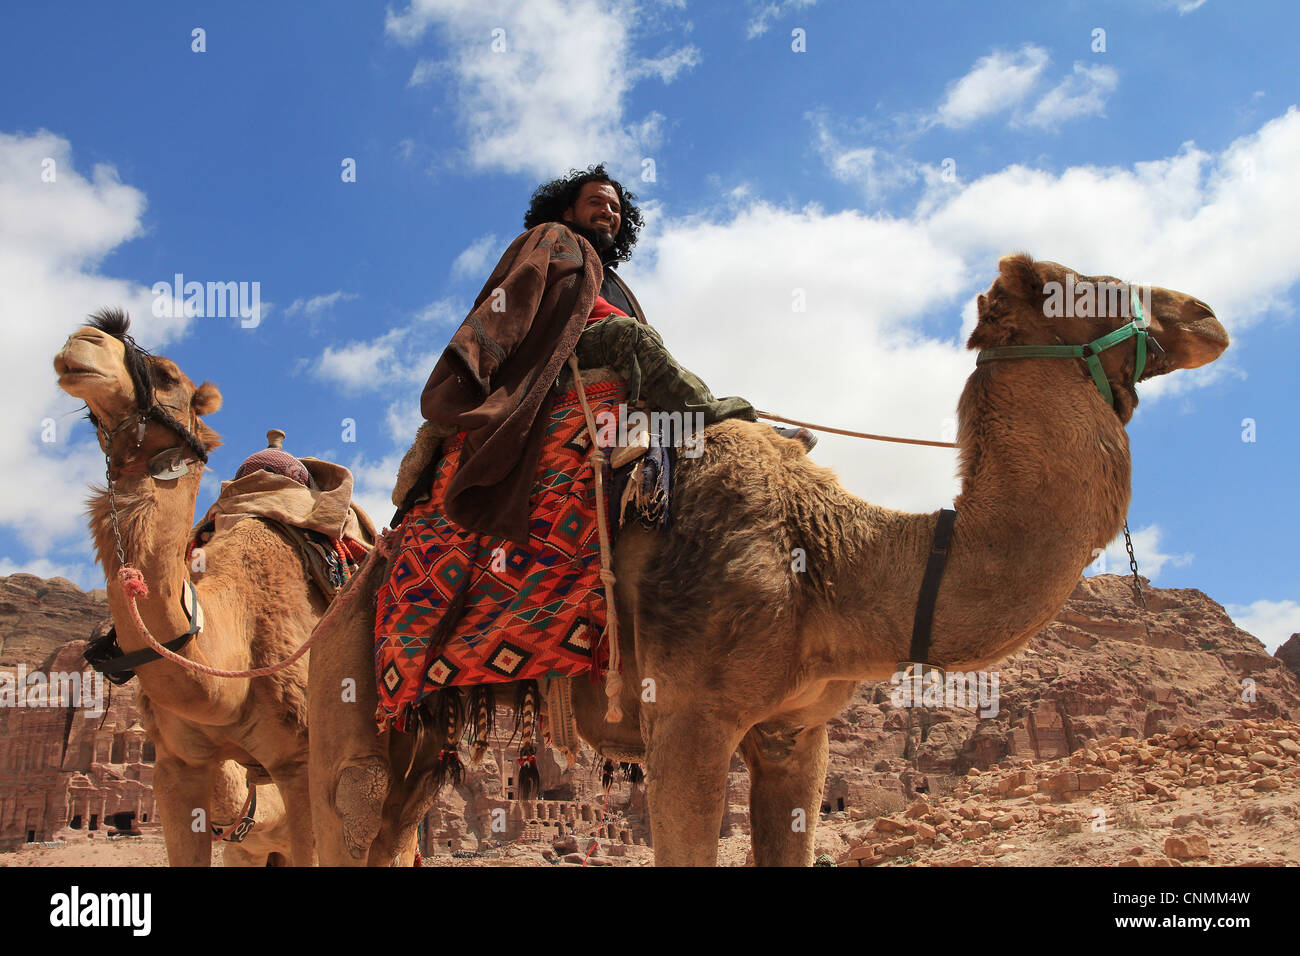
(554, 293)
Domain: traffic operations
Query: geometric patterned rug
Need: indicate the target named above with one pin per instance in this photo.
(517, 612)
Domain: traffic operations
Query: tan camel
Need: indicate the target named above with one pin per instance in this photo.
(257, 599)
(740, 643)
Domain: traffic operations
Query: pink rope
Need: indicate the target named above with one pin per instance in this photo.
(134, 587)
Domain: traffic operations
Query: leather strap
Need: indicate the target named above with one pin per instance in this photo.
(129, 662)
(924, 619)
(242, 827)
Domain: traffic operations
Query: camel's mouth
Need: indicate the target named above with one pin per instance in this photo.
(69, 371)
(1157, 361)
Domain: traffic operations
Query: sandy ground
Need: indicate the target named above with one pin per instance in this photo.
(123, 851)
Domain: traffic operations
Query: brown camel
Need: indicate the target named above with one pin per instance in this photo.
(257, 599)
(774, 591)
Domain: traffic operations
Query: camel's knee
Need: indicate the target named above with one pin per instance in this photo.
(359, 799)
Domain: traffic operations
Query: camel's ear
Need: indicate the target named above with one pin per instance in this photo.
(1019, 277)
(997, 321)
(206, 400)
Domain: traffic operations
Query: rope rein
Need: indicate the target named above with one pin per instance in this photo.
(843, 431)
(613, 677)
(134, 587)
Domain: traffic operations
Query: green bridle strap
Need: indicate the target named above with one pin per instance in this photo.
(1091, 352)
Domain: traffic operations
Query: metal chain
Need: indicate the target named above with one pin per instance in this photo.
(1137, 583)
(112, 511)
(107, 438)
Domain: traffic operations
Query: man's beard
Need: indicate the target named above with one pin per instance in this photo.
(601, 240)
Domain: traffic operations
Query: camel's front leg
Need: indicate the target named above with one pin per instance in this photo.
(292, 781)
(348, 766)
(787, 771)
(688, 753)
(180, 790)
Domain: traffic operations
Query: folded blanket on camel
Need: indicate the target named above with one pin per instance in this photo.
(463, 609)
(332, 532)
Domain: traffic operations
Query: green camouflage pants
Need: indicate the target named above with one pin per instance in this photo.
(637, 350)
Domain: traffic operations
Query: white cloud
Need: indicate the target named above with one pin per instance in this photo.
(53, 235)
(424, 73)
(876, 170)
(668, 66)
(1004, 82)
(1219, 226)
(995, 83)
(1271, 621)
(444, 311)
(765, 11)
(524, 74)
(1082, 93)
(317, 304)
(1146, 549)
(478, 258)
(373, 481)
(359, 365)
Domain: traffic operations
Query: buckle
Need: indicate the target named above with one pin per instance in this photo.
(912, 669)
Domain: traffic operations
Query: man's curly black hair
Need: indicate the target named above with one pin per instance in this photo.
(551, 200)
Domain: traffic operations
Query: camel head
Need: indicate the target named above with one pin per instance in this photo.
(1045, 303)
(121, 382)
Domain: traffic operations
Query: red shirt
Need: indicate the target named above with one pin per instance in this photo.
(602, 309)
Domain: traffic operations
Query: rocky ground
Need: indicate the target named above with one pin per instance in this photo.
(1211, 796)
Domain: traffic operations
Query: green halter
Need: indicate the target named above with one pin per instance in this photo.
(1090, 352)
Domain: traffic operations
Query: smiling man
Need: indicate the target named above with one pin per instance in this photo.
(554, 293)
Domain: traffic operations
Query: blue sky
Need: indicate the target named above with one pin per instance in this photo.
(871, 160)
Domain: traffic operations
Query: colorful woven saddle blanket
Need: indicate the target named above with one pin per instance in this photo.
(508, 612)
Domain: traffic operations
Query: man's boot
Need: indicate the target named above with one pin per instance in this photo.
(652, 373)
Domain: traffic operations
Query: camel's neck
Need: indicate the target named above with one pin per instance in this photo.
(1045, 481)
(154, 520)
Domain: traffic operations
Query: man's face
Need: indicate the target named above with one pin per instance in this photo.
(596, 213)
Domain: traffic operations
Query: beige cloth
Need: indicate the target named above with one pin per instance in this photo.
(326, 507)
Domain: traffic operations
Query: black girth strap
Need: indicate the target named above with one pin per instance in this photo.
(241, 828)
(924, 619)
(105, 654)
